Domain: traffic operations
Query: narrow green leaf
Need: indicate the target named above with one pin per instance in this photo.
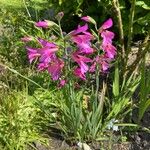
(143, 108)
(116, 81)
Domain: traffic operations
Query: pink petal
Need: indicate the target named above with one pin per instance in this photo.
(83, 67)
(80, 29)
(84, 59)
(105, 65)
(107, 36)
(93, 67)
(86, 18)
(45, 43)
(47, 53)
(110, 50)
(32, 53)
(85, 48)
(107, 24)
(42, 66)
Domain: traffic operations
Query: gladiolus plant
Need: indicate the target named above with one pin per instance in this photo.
(73, 59)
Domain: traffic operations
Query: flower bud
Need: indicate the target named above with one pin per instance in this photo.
(59, 16)
(89, 19)
(26, 39)
(42, 24)
(45, 24)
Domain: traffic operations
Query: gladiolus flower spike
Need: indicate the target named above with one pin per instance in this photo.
(81, 52)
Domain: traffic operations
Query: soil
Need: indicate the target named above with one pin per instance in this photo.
(141, 141)
(138, 141)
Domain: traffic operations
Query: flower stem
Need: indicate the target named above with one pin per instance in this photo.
(67, 62)
(97, 72)
(61, 32)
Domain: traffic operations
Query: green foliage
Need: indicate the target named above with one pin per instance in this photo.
(144, 101)
(11, 3)
(17, 121)
(84, 7)
(81, 118)
(122, 101)
(11, 49)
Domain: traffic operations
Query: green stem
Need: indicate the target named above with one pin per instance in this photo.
(61, 32)
(116, 6)
(130, 29)
(97, 72)
(26, 8)
(67, 62)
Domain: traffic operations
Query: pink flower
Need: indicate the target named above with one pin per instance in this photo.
(81, 60)
(46, 54)
(109, 49)
(78, 73)
(107, 36)
(102, 61)
(83, 43)
(55, 67)
(33, 53)
(26, 39)
(82, 38)
(42, 24)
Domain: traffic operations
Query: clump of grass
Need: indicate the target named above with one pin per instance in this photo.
(11, 3)
(18, 128)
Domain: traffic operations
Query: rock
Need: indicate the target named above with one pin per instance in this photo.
(84, 146)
